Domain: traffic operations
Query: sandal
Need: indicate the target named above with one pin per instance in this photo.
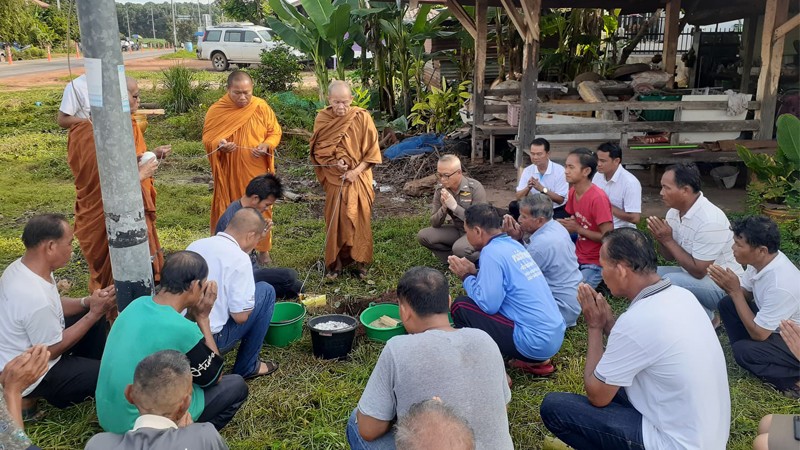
(540, 370)
(272, 366)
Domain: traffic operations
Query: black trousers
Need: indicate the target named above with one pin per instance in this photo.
(771, 360)
(73, 378)
(284, 281)
(223, 400)
(467, 314)
(558, 213)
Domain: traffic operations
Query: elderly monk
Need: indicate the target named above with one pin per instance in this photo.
(90, 223)
(240, 135)
(344, 147)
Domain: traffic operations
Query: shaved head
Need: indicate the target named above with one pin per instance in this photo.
(238, 76)
(246, 220)
(133, 93)
(340, 96)
(131, 83)
(240, 88)
(339, 87)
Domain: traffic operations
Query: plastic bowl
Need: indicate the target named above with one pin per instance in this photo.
(375, 312)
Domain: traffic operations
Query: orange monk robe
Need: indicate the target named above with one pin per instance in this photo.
(90, 224)
(247, 127)
(348, 208)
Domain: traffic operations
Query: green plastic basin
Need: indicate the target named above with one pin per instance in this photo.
(375, 312)
(286, 325)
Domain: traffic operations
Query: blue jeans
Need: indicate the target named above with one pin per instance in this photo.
(583, 427)
(592, 274)
(385, 442)
(251, 333)
(706, 291)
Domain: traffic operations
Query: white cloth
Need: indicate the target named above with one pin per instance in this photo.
(624, 192)
(231, 268)
(705, 233)
(153, 421)
(553, 179)
(664, 352)
(31, 314)
(776, 290)
(75, 101)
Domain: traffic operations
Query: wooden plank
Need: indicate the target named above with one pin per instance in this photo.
(671, 34)
(481, 25)
(748, 38)
(551, 107)
(786, 27)
(529, 99)
(775, 14)
(515, 16)
(560, 150)
(621, 127)
(463, 18)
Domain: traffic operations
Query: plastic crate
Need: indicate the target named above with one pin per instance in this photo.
(659, 115)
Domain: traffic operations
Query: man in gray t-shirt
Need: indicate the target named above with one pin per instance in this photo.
(462, 367)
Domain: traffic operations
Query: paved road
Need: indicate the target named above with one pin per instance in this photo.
(39, 66)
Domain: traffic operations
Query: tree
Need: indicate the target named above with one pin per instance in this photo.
(255, 11)
(16, 20)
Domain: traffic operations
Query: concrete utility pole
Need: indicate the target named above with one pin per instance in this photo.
(174, 29)
(128, 18)
(152, 21)
(116, 160)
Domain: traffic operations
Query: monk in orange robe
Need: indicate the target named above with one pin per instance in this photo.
(90, 224)
(240, 135)
(344, 147)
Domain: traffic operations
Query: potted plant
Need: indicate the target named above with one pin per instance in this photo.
(775, 182)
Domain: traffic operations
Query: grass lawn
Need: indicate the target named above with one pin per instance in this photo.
(305, 405)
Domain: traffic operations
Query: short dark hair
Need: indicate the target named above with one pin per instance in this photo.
(632, 247)
(181, 270)
(543, 142)
(425, 290)
(614, 151)
(686, 174)
(43, 227)
(265, 186)
(758, 231)
(238, 75)
(586, 158)
(484, 216)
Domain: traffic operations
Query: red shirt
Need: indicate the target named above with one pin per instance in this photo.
(590, 211)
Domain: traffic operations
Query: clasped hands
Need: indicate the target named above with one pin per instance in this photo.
(511, 227)
(596, 310)
(535, 184)
(348, 174)
(207, 298)
(659, 228)
(461, 267)
(448, 200)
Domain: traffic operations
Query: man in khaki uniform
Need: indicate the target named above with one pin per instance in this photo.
(453, 195)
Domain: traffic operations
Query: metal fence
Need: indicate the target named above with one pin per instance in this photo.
(653, 41)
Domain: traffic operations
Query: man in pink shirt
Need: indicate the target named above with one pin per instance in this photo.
(590, 213)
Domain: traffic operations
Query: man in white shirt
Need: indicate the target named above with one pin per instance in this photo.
(243, 308)
(33, 312)
(75, 106)
(695, 234)
(545, 176)
(771, 282)
(661, 382)
(622, 188)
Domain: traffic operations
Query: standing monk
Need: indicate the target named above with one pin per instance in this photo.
(344, 148)
(90, 223)
(240, 134)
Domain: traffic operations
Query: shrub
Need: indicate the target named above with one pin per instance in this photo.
(29, 53)
(278, 72)
(183, 89)
(294, 111)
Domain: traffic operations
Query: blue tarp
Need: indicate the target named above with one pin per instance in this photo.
(416, 145)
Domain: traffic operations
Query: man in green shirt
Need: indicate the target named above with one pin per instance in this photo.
(152, 324)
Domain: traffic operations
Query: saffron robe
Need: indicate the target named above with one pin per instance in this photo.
(90, 223)
(247, 127)
(348, 206)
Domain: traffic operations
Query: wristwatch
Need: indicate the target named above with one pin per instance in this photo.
(545, 190)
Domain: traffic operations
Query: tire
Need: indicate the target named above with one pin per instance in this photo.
(219, 62)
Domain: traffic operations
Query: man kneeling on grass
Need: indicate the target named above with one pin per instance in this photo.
(461, 367)
(661, 381)
(508, 297)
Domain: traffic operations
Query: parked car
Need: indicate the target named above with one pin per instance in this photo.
(239, 43)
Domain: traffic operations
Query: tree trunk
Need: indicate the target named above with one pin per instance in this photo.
(630, 46)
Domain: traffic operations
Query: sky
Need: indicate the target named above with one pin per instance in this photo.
(202, 2)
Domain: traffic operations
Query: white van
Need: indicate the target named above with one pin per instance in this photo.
(238, 42)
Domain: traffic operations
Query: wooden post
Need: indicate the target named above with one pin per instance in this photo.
(775, 14)
(481, 26)
(530, 78)
(671, 35)
(748, 40)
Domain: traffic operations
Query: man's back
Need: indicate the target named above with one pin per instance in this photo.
(552, 249)
(462, 367)
(664, 352)
(197, 436)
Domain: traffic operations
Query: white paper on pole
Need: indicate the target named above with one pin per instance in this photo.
(123, 89)
(94, 81)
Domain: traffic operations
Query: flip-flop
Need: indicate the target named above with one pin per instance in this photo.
(33, 414)
(272, 366)
(540, 370)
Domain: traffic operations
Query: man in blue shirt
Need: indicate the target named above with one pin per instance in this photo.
(552, 249)
(508, 297)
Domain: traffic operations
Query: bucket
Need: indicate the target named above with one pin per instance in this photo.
(373, 313)
(725, 176)
(332, 344)
(286, 325)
